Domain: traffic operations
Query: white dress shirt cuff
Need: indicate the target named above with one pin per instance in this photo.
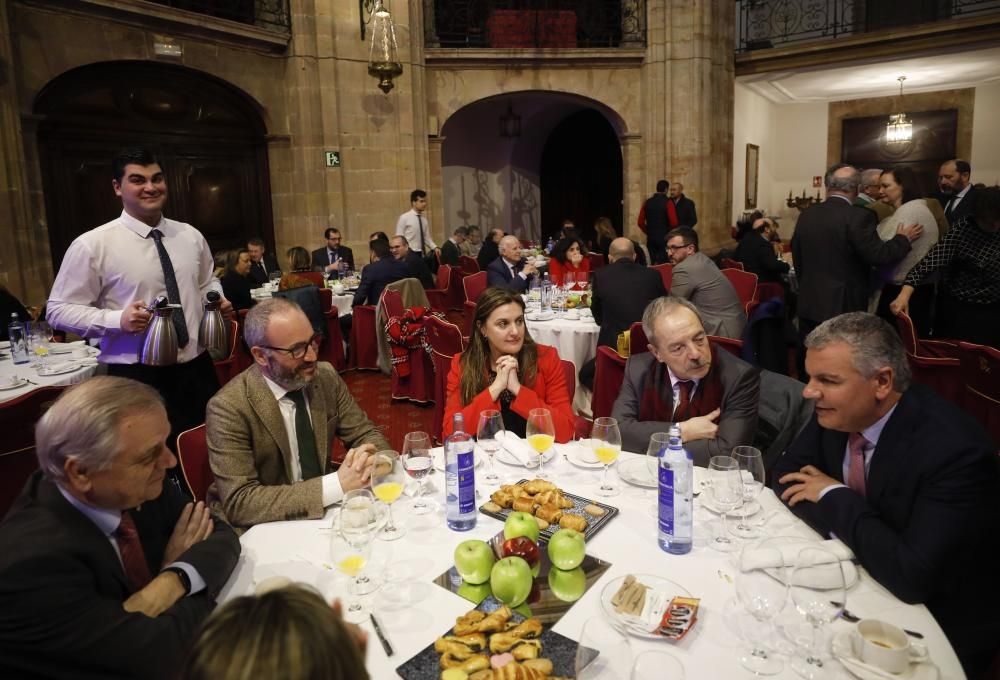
(197, 582)
(112, 319)
(830, 488)
(523, 275)
(332, 491)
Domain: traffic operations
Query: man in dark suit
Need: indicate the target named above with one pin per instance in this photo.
(709, 393)
(262, 263)
(687, 216)
(383, 270)
(509, 270)
(696, 278)
(620, 295)
(654, 222)
(757, 254)
(958, 195)
(490, 250)
(450, 250)
(907, 480)
(106, 571)
(834, 248)
(328, 258)
(400, 249)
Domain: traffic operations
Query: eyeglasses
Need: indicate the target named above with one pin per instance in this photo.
(671, 249)
(299, 350)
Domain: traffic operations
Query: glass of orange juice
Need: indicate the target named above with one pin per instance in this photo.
(606, 440)
(388, 478)
(541, 434)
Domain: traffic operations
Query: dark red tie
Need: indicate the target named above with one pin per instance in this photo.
(133, 557)
(856, 444)
(683, 400)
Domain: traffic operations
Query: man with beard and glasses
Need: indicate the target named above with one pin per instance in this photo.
(711, 394)
(271, 429)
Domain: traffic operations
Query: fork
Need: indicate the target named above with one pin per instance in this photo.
(853, 618)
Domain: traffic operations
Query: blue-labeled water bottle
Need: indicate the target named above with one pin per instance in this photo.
(460, 477)
(18, 335)
(676, 519)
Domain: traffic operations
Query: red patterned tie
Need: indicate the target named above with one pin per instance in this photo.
(133, 557)
(856, 469)
(683, 400)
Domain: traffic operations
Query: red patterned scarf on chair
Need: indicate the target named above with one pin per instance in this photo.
(404, 333)
(658, 395)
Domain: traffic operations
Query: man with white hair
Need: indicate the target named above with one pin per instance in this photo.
(271, 429)
(902, 476)
(510, 270)
(868, 194)
(106, 570)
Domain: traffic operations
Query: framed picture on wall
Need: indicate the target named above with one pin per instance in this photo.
(753, 164)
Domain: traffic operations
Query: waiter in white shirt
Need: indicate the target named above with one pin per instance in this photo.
(109, 275)
(414, 226)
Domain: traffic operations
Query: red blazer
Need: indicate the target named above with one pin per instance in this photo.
(548, 390)
(557, 269)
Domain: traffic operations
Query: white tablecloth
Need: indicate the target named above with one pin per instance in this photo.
(344, 303)
(576, 341)
(24, 371)
(710, 651)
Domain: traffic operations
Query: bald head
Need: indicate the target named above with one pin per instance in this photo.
(842, 180)
(510, 249)
(621, 249)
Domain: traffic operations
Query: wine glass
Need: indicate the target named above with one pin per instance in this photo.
(541, 435)
(606, 441)
(417, 462)
(763, 597)
(490, 425)
(657, 666)
(819, 603)
(751, 464)
(604, 652)
(658, 443)
(351, 544)
(569, 281)
(387, 485)
(726, 488)
(39, 337)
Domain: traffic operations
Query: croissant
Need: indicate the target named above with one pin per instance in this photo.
(502, 498)
(525, 504)
(496, 621)
(467, 624)
(528, 649)
(549, 513)
(460, 646)
(538, 486)
(469, 665)
(527, 629)
(511, 671)
(576, 522)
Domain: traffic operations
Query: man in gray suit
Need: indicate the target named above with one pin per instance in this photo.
(697, 279)
(709, 393)
(271, 428)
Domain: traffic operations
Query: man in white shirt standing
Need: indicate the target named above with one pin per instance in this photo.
(110, 274)
(271, 428)
(414, 225)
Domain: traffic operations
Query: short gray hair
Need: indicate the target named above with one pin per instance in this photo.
(848, 185)
(873, 342)
(663, 306)
(83, 424)
(259, 318)
(870, 177)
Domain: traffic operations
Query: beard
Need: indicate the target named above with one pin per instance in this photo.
(289, 378)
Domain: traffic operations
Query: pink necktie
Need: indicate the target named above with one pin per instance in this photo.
(856, 471)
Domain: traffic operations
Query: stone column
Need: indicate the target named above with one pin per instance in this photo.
(688, 82)
(632, 194)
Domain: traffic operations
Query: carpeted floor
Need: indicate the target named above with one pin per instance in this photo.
(372, 391)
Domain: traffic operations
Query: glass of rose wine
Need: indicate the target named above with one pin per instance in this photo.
(541, 435)
(388, 478)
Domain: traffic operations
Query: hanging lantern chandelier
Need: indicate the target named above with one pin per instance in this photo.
(899, 130)
(383, 57)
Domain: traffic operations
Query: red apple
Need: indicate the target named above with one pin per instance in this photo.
(523, 547)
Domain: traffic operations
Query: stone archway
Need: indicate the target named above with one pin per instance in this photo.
(209, 136)
(493, 181)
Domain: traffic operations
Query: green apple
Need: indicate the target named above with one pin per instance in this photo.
(568, 584)
(524, 610)
(567, 549)
(521, 524)
(474, 559)
(511, 580)
(474, 593)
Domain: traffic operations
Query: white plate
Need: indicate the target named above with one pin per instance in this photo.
(13, 386)
(505, 456)
(438, 457)
(666, 587)
(580, 455)
(540, 316)
(4, 344)
(843, 649)
(45, 371)
(636, 471)
(753, 507)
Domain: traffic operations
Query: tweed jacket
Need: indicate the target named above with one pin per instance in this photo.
(250, 455)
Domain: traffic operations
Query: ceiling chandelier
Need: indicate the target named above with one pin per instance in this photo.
(899, 130)
(383, 57)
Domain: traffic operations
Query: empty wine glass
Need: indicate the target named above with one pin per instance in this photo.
(818, 589)
(727, 493)
(657, 666)
(751, 464)
(762, 596)
(541, 435)
(417, 462)
(387, 485)
(606, 441)
(490, 426)
(658, 443)
(604, 652)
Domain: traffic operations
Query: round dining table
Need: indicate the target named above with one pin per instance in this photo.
(413, 611)
(71, 370)
(575, 340)
(343, 302)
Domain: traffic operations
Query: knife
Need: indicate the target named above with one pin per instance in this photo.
(381, 636)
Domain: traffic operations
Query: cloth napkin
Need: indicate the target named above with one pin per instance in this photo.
(824, 574)
(66, 347)
(48, 369)
(518, 448)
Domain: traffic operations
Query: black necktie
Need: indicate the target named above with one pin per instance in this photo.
(258, 267)
(949, 208)
(332, 255)
(420, 223)
(173, 293)
(305, 437)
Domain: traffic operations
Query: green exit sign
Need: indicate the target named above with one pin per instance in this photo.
(333, 159)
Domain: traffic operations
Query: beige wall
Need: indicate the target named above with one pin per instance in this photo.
(985, 155)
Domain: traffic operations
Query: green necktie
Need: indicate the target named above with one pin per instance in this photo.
(305, 436)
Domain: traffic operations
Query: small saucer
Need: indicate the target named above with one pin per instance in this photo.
(13, 386)
(842, 646)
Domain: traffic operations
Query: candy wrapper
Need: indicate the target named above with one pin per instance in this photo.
(679, 618)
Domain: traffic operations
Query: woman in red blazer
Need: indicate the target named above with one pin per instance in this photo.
(504, 369)
(569, 255)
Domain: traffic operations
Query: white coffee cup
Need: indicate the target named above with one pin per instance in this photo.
(9, 380)
(887, 647)
(337, 288)
(80, 353)
(586, 451)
